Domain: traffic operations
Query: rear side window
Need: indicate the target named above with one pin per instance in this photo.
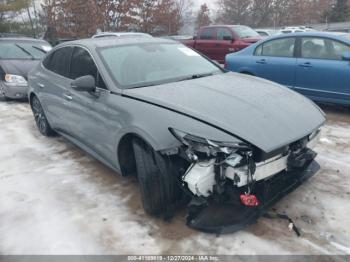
(59, 61)
(277, 48)
(322, 48)
(83, 64)
(207, 34)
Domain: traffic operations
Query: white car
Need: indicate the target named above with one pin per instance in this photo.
(267, 32)
(296, 29)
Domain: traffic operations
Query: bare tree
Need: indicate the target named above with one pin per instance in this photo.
(268, 13)
(185, 8)
(77, 19)
(203, 16)
(262, 12)
(234, 11)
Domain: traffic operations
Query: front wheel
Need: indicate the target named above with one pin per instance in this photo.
(159, 187)
(40, 118)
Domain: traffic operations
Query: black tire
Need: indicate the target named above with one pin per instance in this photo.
(40, 118)
(159, 187)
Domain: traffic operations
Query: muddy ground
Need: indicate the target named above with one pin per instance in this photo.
(55, 199)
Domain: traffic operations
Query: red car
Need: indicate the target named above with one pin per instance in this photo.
(217, 41)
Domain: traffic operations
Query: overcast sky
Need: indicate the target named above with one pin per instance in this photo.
(210, 3)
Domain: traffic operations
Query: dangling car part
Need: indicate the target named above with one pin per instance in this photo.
(190, 131)
(230, 190)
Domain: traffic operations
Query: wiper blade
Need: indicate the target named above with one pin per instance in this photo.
(201, 75)
(38, 48)
(25, 51)
(141, 86)
(195, 76)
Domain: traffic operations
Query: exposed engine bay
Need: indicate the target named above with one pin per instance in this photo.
(233, 178)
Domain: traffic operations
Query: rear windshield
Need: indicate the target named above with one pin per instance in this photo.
(245, 32)
(23, 50)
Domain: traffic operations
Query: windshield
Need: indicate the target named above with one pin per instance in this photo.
(23, 50)
(149, 64)
(245, 32)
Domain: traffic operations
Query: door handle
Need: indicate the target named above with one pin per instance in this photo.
(67, 97)
(41, 85)
(262, 61)
(307, 64)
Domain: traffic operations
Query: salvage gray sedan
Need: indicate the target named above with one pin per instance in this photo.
(227, 145)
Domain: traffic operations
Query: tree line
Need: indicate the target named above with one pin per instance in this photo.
(83, 18)
(277, 13)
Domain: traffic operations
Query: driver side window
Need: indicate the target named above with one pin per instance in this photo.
(82, 64)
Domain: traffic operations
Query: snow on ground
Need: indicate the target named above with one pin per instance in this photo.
(55, 199)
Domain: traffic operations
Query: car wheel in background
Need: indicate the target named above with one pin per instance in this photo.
(40, 118)
(159, 186)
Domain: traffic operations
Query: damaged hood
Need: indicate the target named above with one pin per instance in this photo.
(258, 111)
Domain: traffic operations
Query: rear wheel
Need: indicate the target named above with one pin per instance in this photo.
(40, 118)
(159, 186)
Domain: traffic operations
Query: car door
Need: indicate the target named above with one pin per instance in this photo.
(206, 43)
(89, 111)
(321, 72)
(275, 60)
(53, 81)
(224, 44)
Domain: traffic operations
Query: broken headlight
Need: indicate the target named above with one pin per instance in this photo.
(207, 146)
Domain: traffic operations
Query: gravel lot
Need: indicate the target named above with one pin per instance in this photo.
(55, 199)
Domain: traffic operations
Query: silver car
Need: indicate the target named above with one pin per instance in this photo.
(121, 34)
(227, 145)
(19, 55)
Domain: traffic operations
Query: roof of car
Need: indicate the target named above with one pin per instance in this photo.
(222, 26)
(336, 35)
(105, 42)
(104, 34)
(22, 38)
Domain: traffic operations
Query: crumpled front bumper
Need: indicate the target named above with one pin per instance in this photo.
(231, 215)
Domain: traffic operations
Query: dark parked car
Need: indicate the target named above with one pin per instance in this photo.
(217, 41)
(185, 127)
(17, 57)
(316, 64)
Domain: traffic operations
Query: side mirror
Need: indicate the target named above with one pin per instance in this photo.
(346, 56)
(84, 84)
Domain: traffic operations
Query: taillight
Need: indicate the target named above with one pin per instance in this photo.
(250, 200)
